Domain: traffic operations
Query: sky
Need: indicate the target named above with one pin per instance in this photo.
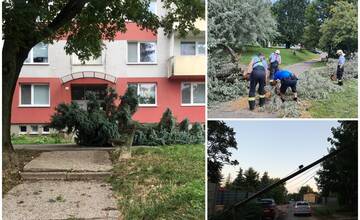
(279, 147)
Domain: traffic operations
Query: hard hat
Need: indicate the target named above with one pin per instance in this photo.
(277, 51)
(339, 52)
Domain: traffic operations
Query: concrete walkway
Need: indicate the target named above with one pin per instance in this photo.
(238, 108)
(59, 147)
(54, 198)
(60, 200)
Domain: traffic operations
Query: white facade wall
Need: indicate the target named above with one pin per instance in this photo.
(114, 58)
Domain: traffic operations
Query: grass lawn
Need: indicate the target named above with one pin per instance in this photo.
(287, 55)
(39, 139)
(161, 183)
(338, 105)
(10, 175)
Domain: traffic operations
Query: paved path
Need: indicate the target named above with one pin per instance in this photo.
(287, 213)
(60, 200)
(59, 147)
(238, 108)
(49, 199)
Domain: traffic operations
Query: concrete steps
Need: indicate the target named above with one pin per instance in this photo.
(69, 165)
(54, 175)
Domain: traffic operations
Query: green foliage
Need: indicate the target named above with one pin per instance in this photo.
(39, 139)
(84, 23)
(184, 125)
(95, 126)
(167, 121)
(339, 175)
(237, 23)
(290, 16)
(221, 138)
(162, 183)
(340, 31)
(167, 133)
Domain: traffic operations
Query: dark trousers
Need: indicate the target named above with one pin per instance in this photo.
(257, 77)
(286, 83)
(339, 72)
(274, 66)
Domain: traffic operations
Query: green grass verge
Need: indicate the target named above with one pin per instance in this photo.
(287, 55)
(338, 105)
(161, 183)
(39, 139)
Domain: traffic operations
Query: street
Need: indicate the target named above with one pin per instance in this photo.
(286, 213)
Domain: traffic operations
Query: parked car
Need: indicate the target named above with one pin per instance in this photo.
(302, 208)
(270, 210)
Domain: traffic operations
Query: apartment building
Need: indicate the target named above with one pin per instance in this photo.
(167, 71)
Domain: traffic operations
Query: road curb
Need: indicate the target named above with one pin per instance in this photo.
(65, 175)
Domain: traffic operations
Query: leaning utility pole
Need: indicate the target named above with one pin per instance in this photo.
(270, 187)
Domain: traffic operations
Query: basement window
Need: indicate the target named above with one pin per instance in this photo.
(23, 129)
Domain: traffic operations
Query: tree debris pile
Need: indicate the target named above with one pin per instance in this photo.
(350, 68)
(225, 79)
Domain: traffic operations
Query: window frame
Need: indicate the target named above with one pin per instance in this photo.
(31, 56)
(34, 132)
(191, 94)
(138, 62)
(32, 95)
(196, 47)
(23, 132)
(42, 129)
(138, 92)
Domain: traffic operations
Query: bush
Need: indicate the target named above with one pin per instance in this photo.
(167, 133)
(95, 126)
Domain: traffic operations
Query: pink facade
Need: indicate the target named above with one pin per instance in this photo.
(168, 96)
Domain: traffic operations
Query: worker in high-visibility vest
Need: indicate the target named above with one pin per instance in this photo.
(275, 61)
(340, 66)
(257, 69)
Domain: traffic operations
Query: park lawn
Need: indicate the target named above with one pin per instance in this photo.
(287, 55)
(39, 139)
(166, 182)
(338, 105)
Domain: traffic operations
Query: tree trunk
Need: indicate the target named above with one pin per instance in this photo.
(287, 45)
(13, 58)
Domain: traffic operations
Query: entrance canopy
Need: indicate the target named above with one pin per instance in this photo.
(88, 74)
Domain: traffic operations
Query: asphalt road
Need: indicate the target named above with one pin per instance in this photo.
(286, 213)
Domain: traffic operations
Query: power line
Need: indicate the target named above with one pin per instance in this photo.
(302, 174)
(302, 179)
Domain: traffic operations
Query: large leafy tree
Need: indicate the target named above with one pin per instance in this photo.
(316, 14)
(84, 23)
(290, 15)
(339, 175)
(221, 139)
(340, 31)
(236, 23)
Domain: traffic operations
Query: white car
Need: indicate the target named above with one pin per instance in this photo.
(302, 208)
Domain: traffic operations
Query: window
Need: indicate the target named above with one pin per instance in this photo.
(152, 6)
(38, 54)
(34, 95)
(193, 93)
(192, 48)
(146, 92)
(141, 52)
(76, 61)
(34, 129)
(23, 129)
(45, 129)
